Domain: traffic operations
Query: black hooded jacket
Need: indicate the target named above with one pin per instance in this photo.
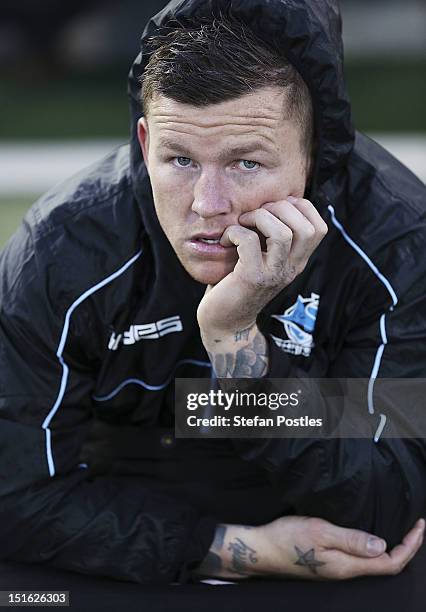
(98, 317)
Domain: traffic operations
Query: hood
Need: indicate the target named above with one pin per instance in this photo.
(308, 33)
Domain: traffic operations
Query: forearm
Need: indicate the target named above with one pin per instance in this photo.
(109, 526)
(242, 353)
(233, 553)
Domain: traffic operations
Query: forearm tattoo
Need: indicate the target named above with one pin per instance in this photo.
(250, 361)
(242, 556)
(242, 334)
(307, 559)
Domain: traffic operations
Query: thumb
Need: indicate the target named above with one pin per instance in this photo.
(356, 542)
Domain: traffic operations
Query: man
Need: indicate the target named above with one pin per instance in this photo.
(110, 290)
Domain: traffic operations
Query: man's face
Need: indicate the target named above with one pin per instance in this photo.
(208, 165)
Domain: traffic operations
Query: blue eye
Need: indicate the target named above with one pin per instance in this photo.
(249, 164)
(183, 162)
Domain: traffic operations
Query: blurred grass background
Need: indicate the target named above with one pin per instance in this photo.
(12, 210)
(388, 95)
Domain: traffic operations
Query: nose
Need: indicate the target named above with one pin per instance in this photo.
(211, 198)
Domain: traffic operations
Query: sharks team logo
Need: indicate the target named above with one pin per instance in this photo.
(299, 322)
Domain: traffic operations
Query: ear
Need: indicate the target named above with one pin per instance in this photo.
(310, 162)
(143, 137)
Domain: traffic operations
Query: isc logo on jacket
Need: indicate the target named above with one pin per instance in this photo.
(146, 331)
(298, 322)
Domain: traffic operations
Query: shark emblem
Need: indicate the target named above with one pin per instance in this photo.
(299, 323)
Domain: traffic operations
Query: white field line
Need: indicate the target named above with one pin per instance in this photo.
(32, 167)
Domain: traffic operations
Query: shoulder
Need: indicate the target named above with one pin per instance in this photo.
(385, 176)
(101, 192)
(379, 208)
(77, 235)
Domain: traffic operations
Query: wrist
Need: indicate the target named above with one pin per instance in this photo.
(241, 556)
(241, 355)
(215, 340)
(233, 553)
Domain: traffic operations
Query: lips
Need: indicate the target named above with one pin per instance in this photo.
(207, 244)
(208, 238)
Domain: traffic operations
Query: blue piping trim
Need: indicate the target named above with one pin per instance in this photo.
(364, 256)
(381, 348)
(145, 385)
(380, 427)
(376, 364)
(65, 369)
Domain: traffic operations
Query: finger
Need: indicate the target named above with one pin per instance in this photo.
(394, 562)
(305, 235)
(247, 243)
(385, 564)
(402, 554)
(353, 541)
(278, 236)
(310, 212)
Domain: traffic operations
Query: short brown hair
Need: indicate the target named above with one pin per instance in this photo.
(220, 60)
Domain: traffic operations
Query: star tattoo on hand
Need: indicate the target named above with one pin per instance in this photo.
(307, 559)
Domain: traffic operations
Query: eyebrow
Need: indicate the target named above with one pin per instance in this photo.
(238, 151)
